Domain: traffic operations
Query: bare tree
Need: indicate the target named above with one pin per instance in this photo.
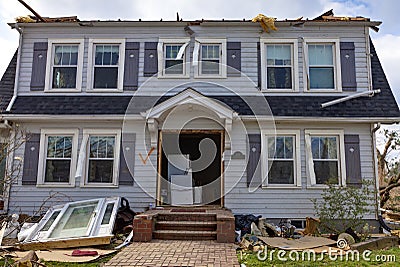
(388, 166)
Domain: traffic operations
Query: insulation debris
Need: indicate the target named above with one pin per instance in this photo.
(266, 23)
(24, 19)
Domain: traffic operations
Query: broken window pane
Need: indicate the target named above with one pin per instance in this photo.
(108, 213)
(75, 221)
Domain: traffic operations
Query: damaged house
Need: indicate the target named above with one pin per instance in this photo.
(195, 113)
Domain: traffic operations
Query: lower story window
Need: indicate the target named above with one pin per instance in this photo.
(101, 159)
(324, 156)
(281, 153)
(281, 160)
(58, 159)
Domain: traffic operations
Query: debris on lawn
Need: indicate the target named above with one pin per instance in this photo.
(258, 234)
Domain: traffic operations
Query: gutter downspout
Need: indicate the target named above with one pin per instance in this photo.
(16, 82)
(375, 167)
(343, 99)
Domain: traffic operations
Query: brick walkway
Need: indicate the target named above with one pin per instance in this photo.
(176, 253)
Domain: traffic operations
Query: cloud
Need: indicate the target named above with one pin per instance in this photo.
(388, 49)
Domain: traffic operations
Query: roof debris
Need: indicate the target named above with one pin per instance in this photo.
(329, 16)
(267, 23)
(33, 19)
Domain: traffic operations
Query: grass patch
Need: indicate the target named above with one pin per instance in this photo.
(390, 257)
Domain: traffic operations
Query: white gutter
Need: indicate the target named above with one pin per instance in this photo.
(16, 82)
(325, 119)
(375, 166)
(343, 99)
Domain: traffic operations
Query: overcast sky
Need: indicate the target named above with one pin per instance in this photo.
(387, 41)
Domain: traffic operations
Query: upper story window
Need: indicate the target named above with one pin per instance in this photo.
(65, 65)
(325, 156)
(323, 64)
(59, 151)
(173, 58)
(209, 58)
(281, 154)
(279, 64)
(106, 64)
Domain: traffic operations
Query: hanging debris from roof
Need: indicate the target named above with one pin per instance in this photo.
(266, 23)
(24, 19)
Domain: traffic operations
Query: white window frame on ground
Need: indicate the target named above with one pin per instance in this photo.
(197, 58)
(339, 134)
(162, 57)
(337, 77)
(294, 66)
(52, 43)
(265, 134)
(91, 64)
(87, 133)
(44, 134)
(95, 227)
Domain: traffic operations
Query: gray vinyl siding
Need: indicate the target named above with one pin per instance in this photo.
(248, 36)
(293, 203)
(271, 203)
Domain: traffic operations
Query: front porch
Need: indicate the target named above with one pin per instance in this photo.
(189, 223)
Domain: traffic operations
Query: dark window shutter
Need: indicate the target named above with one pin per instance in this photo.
(253, 166)
(348, 65)
(31, 159)
(258, 65)
(39, 66)
(127, 159)
(353, 162)
(150, 59)
(131, 66)
(234, 59)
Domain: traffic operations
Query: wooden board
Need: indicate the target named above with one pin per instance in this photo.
(377, 243)
(63, 255)
(67, 243)
(306, 242)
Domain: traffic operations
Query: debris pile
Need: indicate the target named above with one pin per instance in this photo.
(254, 234)
(69, 233)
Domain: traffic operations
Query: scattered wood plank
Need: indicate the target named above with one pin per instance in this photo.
(67, 243)
(378, 243)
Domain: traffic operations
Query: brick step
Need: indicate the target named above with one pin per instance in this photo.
(184, 235)
(186, 216)
(187, 225)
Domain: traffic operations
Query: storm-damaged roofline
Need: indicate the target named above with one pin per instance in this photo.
(141, 23)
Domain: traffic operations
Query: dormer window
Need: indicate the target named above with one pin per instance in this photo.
(279, 65)
(106, 62)
(209, 58)
(65, 60)
(173, 58)
(322, 65)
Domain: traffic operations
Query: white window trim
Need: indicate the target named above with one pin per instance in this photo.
(295, 63)
(49, 69)
(264, 157)
(121, 64)
(311, 181)
(161, 60)
(196, 57)
(43, 152)
(336, 62)
(110, 132)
